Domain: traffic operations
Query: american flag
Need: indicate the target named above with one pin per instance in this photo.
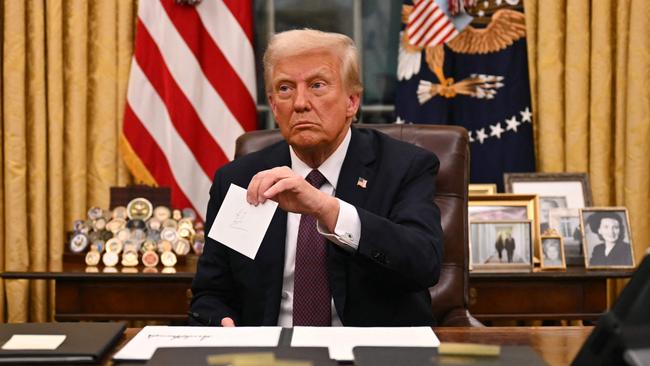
(428, 25)
(191, 94)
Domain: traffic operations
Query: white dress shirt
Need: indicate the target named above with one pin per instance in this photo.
(346, 233)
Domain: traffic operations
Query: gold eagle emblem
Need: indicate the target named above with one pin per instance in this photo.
(505, 27)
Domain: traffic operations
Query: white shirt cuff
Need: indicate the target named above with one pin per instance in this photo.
(347, 232)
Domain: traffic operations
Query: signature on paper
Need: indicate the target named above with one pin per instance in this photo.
(239, 221)
(175, 337)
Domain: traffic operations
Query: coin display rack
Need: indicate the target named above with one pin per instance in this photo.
(137, 233)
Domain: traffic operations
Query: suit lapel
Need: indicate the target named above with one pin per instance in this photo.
(356, 167)
(350, 188)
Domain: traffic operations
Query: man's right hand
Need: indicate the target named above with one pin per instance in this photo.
(227, 322)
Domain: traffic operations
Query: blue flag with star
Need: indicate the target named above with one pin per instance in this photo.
(478, 79)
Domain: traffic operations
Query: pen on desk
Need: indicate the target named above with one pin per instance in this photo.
(196, 316)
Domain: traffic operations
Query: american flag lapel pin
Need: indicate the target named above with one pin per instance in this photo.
(362, 182)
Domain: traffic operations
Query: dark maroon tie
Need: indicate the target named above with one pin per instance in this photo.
(311, 289)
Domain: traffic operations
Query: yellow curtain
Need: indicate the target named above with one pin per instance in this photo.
(590, 77)
(65, 69)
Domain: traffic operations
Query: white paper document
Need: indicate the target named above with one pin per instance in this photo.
(145, 343)
(34, 342)
(341, 340)
(240, 225)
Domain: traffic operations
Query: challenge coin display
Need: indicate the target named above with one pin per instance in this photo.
(139, 209)
(136, 233)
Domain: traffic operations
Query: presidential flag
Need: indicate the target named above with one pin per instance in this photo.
(191, 94)
(477, 79)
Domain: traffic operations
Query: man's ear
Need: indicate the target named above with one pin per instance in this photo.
(353, 104)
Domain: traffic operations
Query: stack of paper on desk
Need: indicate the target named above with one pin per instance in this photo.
(145, 343)
(341, 340)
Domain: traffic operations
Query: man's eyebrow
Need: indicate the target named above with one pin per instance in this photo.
(320, 72)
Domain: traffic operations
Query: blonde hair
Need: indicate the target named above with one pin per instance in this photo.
(299, 41)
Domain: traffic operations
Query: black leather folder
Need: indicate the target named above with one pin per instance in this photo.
(84, 342)
(319, 356)
(428, 356)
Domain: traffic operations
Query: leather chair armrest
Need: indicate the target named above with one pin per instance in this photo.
(459, 317)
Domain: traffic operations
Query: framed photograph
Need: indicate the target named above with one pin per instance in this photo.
(566, 222)
(555, 190)
(607, 241)
(482, 188)
(504, 206)
(552, 252)
(500, 245)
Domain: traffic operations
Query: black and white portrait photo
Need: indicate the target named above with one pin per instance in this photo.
(500, 244)
(552, 252)
(607, 240)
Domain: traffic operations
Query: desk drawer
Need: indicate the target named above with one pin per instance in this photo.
(511, 299)
(121, 299)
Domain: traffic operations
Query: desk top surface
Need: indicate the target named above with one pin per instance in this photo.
(183, 270)
(556, 345)
(568, 273)
(186, 268)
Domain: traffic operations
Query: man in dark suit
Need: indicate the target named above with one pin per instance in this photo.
(361, 249)
(509, 245)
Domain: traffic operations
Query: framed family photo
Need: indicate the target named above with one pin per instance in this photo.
(552, 252)
(501, 245)
(555, 190)
(506, 207)
(607, 241)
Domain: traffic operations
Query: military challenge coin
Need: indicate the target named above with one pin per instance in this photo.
(150, 258)
(92, 258)
(110, 259)
(168, 259)
(79, 242)
(139, 209)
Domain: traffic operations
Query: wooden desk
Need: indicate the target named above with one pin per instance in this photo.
(559, 295)
(119, 293)
(556, 345)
